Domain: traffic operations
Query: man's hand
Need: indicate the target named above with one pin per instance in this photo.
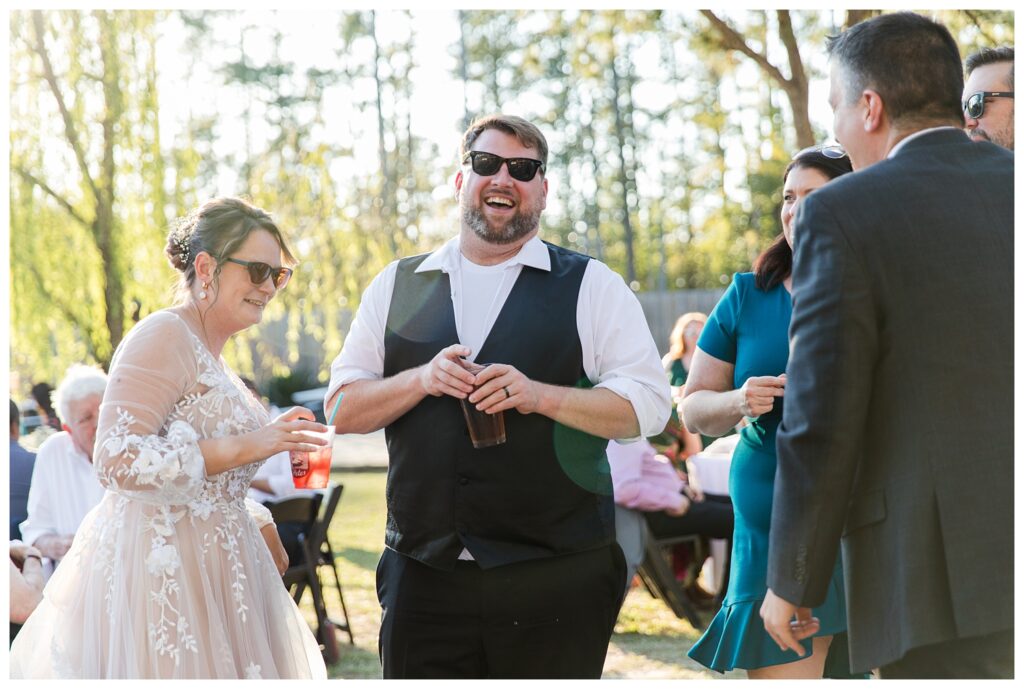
(445, 374)
(54, 546)
(778, 615)
(501, 387)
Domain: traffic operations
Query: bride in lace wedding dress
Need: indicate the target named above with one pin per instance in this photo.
(169, 576)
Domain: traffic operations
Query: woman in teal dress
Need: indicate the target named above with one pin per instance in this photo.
(738, 372)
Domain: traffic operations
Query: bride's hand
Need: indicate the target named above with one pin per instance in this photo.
(285, 434)
(276, 547)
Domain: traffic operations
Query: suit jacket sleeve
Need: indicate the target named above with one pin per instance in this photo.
(833, 345)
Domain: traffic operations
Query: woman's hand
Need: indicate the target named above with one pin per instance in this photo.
(285, 434)
(758, 393)
(276, 547)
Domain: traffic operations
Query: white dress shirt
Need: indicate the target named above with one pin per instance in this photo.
(618, 351)
(64, 488)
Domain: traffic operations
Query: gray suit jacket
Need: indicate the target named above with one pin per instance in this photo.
(897, 431)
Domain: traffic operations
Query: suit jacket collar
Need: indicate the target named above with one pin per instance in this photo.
(930, 137)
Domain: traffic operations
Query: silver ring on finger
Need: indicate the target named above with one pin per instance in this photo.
(507, 393)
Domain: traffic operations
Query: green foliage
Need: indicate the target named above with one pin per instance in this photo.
(279, 389)
(667, 151)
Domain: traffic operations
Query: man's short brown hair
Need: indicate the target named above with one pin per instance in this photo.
(526, 132)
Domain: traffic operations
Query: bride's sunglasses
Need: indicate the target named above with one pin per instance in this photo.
(259, 272)
(487, 164)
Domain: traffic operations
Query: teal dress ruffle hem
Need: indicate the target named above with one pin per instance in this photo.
(736, 637)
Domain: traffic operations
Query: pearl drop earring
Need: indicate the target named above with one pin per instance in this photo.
(202, 292)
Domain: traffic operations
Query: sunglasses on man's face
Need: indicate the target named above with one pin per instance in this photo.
(974, 106)
(487, 164)
(259, 272)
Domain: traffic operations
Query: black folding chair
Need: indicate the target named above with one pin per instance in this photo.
(315, 513)
(657, 574)
(320, 544)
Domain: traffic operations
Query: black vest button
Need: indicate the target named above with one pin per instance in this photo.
(463, 481)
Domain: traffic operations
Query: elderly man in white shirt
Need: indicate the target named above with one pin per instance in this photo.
(500, 562)
(64, 483)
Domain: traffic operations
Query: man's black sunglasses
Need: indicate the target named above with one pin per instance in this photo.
(974, 106)
(259, 272)
(487, 164)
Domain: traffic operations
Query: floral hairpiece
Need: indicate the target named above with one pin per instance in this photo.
(183, 249)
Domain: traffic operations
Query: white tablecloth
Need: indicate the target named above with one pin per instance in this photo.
(711, 469)
(712, 465)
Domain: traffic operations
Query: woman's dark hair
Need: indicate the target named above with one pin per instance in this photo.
(217, 227)
(42, 393)
(776, 262)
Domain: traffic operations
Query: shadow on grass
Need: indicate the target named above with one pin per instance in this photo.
(355, 663)
(367, 559)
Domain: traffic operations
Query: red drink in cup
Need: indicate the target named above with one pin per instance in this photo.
(313, 469)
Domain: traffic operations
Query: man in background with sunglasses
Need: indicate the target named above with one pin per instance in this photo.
(501, 562)
(897, 430)
(988, 96)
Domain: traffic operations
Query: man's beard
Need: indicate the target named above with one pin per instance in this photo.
(1002, 137)
(522, 223)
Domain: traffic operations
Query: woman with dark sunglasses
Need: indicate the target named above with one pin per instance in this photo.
(738, 372)
(170, 576)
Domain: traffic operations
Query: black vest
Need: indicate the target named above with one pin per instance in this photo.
(544, 492)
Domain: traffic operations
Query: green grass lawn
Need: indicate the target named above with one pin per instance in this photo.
(649, 641)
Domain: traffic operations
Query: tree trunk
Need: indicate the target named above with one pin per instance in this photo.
(464, 70)
(387, 205)
(795, 85)
(591, 208)
(620, 144)
(857, 16)
(105, 233)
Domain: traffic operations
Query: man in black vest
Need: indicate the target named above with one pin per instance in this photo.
(500, 561)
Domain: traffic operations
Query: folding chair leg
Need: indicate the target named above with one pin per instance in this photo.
(657, 574)
(344, 609)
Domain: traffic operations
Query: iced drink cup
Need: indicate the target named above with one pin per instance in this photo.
(313, 469)
(485, 430)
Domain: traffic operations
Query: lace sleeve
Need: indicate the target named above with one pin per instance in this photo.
(151, 372)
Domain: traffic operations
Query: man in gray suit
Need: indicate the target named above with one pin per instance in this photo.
(897, 430)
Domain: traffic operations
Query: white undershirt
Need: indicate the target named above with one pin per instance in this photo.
(484, 290)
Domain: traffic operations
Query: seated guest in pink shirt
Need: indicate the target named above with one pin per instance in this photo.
(644, 480)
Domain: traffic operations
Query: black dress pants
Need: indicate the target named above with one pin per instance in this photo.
(978, 657)
(546, 618)
(713, 518)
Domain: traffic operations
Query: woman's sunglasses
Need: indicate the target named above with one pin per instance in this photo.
(974, 106)
(487, 164)
(833, 151)
(259, 272)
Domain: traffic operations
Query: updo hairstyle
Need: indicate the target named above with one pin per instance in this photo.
(217, 227)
